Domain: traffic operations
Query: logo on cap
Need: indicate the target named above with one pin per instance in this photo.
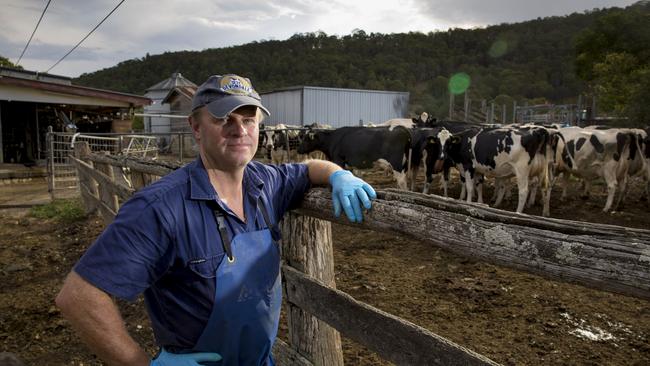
(236, 85)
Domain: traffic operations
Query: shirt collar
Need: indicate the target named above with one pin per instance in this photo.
(201, 188)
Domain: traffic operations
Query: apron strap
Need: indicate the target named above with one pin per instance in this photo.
(225, 238)
(221, 225)
(265, 213)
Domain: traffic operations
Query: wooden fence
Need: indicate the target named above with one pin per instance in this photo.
(604, 257)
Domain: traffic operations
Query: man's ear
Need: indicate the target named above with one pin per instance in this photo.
(194, 122)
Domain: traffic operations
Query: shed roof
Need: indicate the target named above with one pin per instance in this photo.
(187, 91)
(28, 90)
(301, 87)
(176, 80)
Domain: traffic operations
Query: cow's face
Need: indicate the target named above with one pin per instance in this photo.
(309, 143)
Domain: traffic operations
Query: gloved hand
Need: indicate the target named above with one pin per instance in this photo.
(186, 359)
(350, 192)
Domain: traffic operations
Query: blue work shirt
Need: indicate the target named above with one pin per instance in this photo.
(164, 241)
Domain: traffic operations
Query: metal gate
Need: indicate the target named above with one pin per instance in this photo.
(62, 174)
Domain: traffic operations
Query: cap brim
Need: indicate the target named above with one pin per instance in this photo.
(222, 107)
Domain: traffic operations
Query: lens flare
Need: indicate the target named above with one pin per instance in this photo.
(498, 48)
(459, 82)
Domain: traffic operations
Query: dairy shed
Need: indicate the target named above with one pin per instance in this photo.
(304, 105)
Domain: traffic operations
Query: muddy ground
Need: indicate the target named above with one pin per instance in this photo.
(511, 317)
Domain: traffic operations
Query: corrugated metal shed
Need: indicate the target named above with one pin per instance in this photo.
(303, 105)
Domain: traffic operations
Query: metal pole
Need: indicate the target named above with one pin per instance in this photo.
(50, 175)
(491, 112)
(514, 111)
(466, 102)
(451, 106)
(2, 160)
(181, 146)
(484, 109)
(593, 107)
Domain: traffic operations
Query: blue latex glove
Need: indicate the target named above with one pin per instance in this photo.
(186, 359)
(350, 192)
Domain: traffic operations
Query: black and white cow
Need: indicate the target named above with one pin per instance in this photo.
(592, 153)
(502, 153)
(424, 120)
(285, 140)
(448, 136)
(266, 139)
(362, 148)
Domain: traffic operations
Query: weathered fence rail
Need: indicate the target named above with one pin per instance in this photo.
(604, 257)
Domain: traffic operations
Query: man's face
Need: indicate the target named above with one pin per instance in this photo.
(227, 144)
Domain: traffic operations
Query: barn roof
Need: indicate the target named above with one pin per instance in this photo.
(176, 80)
(37, 90)
(302, 87)
(186, 91)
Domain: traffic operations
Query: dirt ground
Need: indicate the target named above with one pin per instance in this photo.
(511, 317)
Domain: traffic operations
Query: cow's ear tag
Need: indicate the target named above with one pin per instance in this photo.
(432, 140)
(455, 139)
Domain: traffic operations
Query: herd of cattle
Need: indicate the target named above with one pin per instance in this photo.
(535, 155)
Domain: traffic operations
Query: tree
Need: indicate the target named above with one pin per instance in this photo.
(4, 62)
(614, 58)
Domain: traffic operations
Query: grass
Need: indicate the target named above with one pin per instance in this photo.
(66, 210)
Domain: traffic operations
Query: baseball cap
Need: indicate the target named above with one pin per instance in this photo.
(222, 94)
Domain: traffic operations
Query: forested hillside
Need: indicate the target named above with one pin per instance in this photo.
(533, 60)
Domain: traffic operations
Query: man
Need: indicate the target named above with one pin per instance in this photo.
(201, 243)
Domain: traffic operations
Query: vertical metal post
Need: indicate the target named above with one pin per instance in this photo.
(503, 113)
(593, 107)
(120, 144)
(38, 136)
(181, 147)
(466, 102)
(491, 112)
(2, 160)
(451, 106)
(50, 170)
(484, 109)
(514, 111)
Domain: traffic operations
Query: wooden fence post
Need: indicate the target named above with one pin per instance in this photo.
(307, 247)
(106, 195)
(87, 185)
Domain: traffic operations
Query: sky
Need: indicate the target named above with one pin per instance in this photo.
(139, 27)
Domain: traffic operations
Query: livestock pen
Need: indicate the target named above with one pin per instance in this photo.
(600, 256)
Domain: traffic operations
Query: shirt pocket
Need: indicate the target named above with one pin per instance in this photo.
(205, 267)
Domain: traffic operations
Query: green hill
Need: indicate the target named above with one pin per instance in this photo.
(523, 61)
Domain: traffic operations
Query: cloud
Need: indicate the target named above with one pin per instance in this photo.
(139, 27)
(485, 13)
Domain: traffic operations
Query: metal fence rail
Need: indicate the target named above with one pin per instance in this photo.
(62, 174)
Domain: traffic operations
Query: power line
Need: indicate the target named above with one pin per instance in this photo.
(35, 28)
(87, 35)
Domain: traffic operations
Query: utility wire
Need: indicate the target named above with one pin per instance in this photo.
(87, 35)
(32, 36)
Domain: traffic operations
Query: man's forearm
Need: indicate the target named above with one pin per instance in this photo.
(95, 317)
(320, 171)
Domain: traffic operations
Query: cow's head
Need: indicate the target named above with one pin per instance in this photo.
(310, 141)
(438, 146)
(424, 121)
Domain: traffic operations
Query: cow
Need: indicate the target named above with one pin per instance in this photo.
(266, 139)
(285, 139)
(591, 153)
(502, 153)
(639, 166)
(424, 120)
(362, 148)
(437, 149)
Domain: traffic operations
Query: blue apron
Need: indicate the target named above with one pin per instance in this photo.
(246, 311)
